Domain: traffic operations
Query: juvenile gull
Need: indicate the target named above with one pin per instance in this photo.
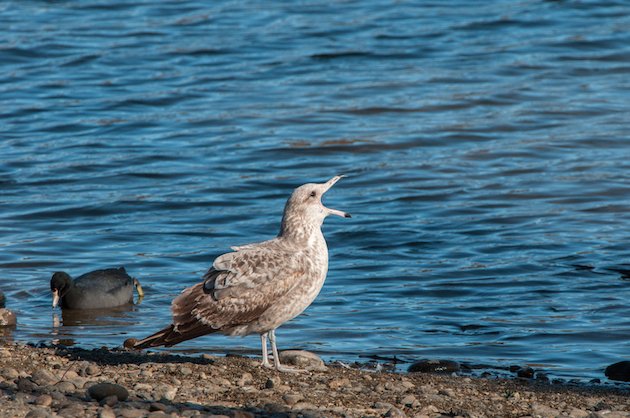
(259, 286)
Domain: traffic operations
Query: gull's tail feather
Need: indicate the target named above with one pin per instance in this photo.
(169, 336)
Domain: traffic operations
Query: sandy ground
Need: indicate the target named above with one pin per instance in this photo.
(60, 381)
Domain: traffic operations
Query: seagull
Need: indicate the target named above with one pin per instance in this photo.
(260, 286)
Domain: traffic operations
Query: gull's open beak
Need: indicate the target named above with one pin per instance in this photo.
(327, 186)
(55, 298)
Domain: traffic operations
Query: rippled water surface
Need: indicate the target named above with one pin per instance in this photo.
(486, 147)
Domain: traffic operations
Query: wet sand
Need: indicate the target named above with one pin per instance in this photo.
(59, 381)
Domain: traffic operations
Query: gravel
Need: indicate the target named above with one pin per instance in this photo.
(60, 381)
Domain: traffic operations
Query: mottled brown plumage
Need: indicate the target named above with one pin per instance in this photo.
(259, 286)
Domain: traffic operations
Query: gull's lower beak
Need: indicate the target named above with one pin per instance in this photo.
(55, 298)
(327, 186)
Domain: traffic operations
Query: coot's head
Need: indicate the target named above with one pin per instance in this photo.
(59, 286)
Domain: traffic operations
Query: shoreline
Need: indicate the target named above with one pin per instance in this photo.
(59, 381)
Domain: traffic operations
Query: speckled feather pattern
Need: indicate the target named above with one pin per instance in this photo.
(257, 287)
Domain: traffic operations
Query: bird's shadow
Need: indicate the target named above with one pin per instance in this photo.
(114, 357)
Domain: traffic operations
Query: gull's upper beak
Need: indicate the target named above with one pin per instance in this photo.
(327, 186)
(55, 298)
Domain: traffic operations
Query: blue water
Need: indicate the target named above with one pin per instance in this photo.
(486, 147)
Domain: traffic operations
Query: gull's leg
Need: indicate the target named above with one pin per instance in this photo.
(265, 357)
(276, 357)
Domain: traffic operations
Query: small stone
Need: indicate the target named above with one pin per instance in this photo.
(106, 412)
(246, 378)
(92, 370)
(110, 400)
(43, 377)
(292, 398)
(7, 318)
(165, 391)
(43, 400)
(578, 413)
(303, 360)
(434, 366)
(269, 384)
(130, 342)
(100, 391)
(410, 401)
(339, 383)
(131, 413)
(526, 372)
(64, 387)
(619, 371)
(37, 413)
(395, 413)
(9, 373)
(26, 385)
(142, 387)
(544, 410)
(156, 406)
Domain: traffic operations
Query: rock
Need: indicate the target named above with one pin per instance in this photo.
(269, 384)
(303, 360)
(292, 398)
(131, 413)
(7, 318)
(9, 373)
(100, 391)
(106, 412)
(92, 370)
(157, 406)
(526, 372)
(246, 378)
(434, 366)
(43, 400)
(64, 387)
(395, 413)
(37, 413)
(343, 382)
(578, 413)
(544, 411)
(26, 385)
(619, 371)
(110, 400)
(43, 377)
(410, 401)
(165, 391)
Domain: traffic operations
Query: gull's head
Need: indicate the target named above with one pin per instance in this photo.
(305, 203)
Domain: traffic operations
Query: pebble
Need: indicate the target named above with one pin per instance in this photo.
(292, 398)
(7, 318)
(106, 412)
(43, 400)
(434, 366)
(100, 391)
(9, 373)
(92, 370)
(64, 387)
(578, 413)
(339, 383)
(110, 400)
(303, 360)
(131, 413)
(165, 391)
(544, 410)
(619, 371)
(37, 413)
(43, 377)
(526, 372)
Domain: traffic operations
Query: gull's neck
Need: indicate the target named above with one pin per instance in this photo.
(296, 229)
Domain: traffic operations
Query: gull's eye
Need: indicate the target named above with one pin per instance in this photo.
(313, 193)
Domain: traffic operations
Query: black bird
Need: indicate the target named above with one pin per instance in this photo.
(97, 289)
